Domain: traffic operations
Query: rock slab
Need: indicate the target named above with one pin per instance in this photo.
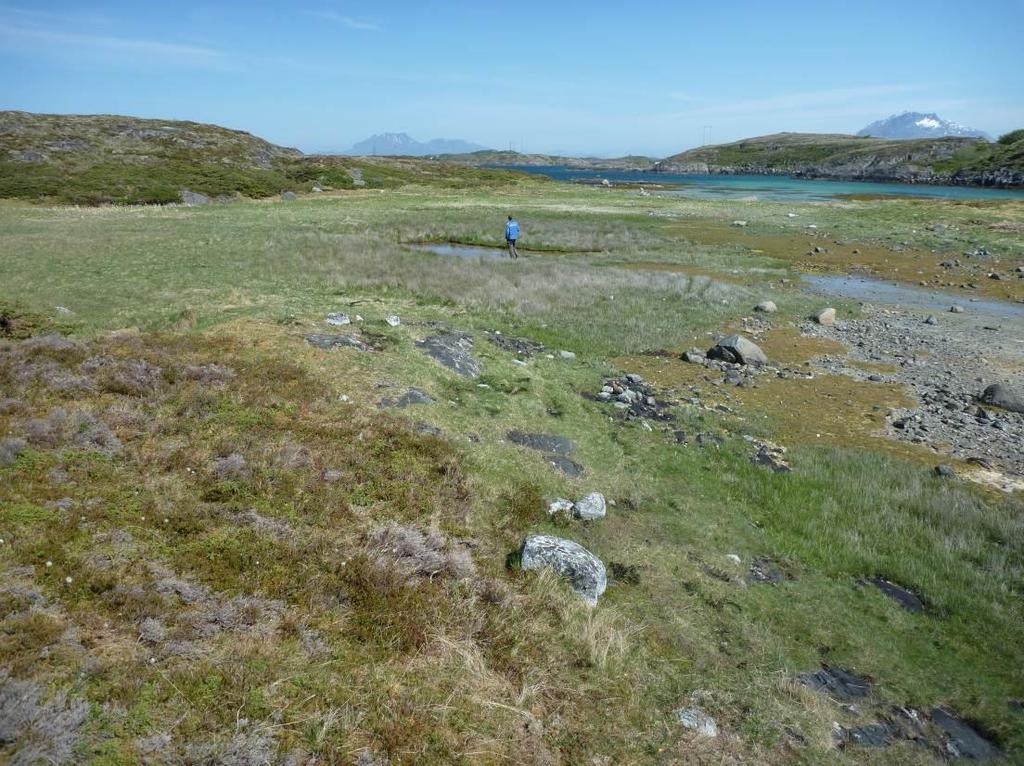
(452, 350)
(584, 571)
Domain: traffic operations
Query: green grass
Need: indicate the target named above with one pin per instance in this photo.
(301, 635)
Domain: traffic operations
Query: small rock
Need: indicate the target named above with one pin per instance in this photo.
(739, 223)
(289, 196)
(693, 357)
(193, 198)
(698, 720)
(584, 571)
(945, 471)
(337, 320)
(956, 309)
(931, 319)
(826, 317)
(589, 507)
(393, 320)
(569, 355)
(559, 505)
(768, 307)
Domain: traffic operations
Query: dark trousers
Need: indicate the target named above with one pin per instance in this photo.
(513, 253)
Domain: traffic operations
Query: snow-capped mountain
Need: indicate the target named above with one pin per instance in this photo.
(919, 125)
(405, 145)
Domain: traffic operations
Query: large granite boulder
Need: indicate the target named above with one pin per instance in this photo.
(1001, 395)
(584, 571)
(738, 350)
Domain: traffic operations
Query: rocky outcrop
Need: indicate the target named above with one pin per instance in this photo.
(847, 158)
(452, 350)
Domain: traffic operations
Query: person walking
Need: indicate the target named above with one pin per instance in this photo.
(511, 235)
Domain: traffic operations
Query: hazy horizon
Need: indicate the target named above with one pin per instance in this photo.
(571, 79)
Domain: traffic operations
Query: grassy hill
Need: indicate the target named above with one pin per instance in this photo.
(94, 159)
(950, 160)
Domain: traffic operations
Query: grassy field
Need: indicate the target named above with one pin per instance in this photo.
(219, 548)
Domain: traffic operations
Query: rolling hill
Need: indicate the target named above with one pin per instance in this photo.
(97, 159)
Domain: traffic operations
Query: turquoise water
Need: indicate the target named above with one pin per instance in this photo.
(777, 188)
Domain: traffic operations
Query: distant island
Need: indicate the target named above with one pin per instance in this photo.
(948, 160)
(404, 145)
(490, 158)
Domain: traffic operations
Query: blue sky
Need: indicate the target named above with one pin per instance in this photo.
(580, 77)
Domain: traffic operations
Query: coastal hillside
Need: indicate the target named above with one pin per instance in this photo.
(942, 160)
(98, 159)
(491, 157)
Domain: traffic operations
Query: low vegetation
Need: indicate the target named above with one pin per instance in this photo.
(91, 160)
(941, 159)
(220, 545)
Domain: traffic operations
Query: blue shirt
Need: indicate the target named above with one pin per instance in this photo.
(512, 230)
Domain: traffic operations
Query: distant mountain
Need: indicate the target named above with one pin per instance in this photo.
(402, 144)
(919, 125)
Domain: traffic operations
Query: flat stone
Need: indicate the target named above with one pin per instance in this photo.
(563, 464)
(584, 571)
(451, 349)
(905, 598)
(961, 739)
(879, 734)
(560, 445)
(331, 342)
(412, 396)
(837, 683)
